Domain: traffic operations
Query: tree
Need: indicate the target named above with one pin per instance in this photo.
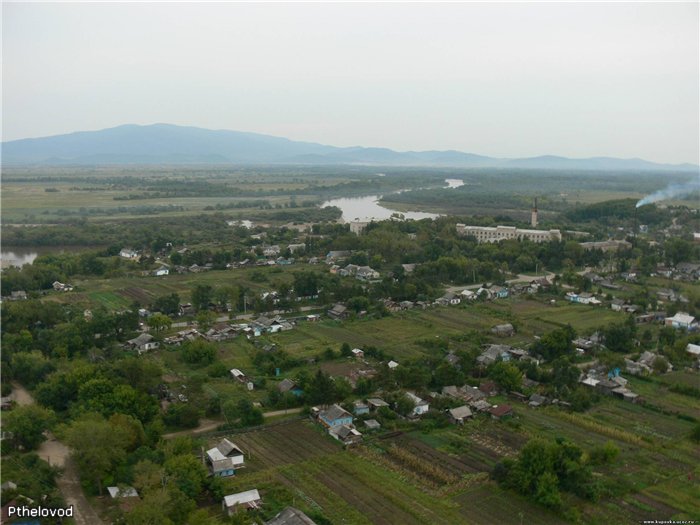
(148, 476)
(198, 352)
(321, 389)
(565, 374)
(660, 365)
(249, 414)
(30, 368)
(151, 510)
(167, 304)
(404, 405)
(547, 490)
(345, 350)
(159, 322)
(202, 296)
(26, 424)
(205, 319)
(187, 473)
(182, 415)
(97, 447)
(506, 375)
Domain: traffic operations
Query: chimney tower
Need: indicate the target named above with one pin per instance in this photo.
(533, 218)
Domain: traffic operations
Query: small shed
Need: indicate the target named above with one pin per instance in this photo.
(249, 499)
(459, 414)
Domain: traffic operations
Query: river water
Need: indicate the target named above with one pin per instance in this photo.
(21, 255)
(366, 209)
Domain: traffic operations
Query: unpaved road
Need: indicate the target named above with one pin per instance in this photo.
(208, 425)
(57, 454)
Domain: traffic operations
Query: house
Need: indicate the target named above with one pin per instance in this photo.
(338, 312)
(501, 411)
(360, 408)
(224, 459)
(356, 352)
(287, 385)
(271, 251)
(489, 388)
(60, 287)
(375, 403)
(365, 273)
(6, 403)
(336, 255)
(122, 492)
(372, 424)
(616, 305)
(453, 359)
(128, 254)
(499, 292)
(468, 295)
(537, 400)
(293, 248)
(606, 386)
(693, 350)
(420, 406)
(408, 268)
(480, 405)
(143, 343)
(249, 499)
(346, 434)
(680, 320)
(459, 414)
(582, 298)
(688, 271)
(18, 295)
(335, 416)
(284, 262)
(163, 270)
(590, 381)
(503, 330)
(493, 353)
(392, 364)
(449, 299)
(291, 516)
(238, 375)
(584, 344)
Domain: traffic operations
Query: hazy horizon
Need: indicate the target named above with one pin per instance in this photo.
(501, 80)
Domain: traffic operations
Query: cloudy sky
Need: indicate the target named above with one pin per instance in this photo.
(504, 80)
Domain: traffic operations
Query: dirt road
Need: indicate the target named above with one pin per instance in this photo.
(57, 454)
(208, 425)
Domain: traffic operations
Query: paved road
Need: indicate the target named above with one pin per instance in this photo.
(243, 317)
(57, 454)
(522, 278)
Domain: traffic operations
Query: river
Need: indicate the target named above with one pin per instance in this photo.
(367, 208)
(21, 255)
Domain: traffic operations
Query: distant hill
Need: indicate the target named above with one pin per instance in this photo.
(169, 144)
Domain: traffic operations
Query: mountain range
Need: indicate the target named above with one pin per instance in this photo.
(173, 145)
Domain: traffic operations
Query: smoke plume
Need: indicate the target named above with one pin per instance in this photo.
(671, 192)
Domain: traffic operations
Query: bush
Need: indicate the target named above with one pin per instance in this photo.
(604, 454)
(695, 433)
(181, 416)
(198, 352)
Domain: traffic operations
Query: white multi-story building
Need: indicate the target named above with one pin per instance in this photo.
(502, 233)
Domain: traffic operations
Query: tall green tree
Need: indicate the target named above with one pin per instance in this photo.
(97, 447)
(26, 425)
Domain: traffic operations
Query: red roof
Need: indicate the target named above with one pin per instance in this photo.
(501, 410)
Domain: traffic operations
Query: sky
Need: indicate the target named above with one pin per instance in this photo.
(504, 80)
